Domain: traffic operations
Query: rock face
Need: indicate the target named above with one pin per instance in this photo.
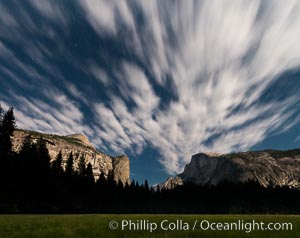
(269, 168)
(172, 182)
(121, 168)
(79, 145)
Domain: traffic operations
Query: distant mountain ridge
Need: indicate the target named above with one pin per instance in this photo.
(79, 145)
(267, 167)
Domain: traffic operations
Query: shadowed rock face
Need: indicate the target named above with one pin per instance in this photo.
(79, 145)
(269, 168)
(121, 168)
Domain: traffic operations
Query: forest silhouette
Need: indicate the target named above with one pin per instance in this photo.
(30, 183)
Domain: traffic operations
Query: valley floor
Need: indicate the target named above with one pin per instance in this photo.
(96, 226)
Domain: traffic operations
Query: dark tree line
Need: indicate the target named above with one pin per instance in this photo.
(7, 127)
(30, 183)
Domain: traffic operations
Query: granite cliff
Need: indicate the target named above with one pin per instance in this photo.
(268, 168)
(79, 145)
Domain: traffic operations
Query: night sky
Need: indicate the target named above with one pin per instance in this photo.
(156, 80)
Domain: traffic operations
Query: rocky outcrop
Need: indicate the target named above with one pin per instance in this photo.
(121, 168)
(81, 139)
(79, 145)
(172, 182)
(268, 168)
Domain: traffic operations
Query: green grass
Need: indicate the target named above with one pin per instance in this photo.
(90, 226)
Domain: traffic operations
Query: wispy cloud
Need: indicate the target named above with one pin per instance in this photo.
(193, 77)
(51, 10)
(99, 73)
(215, 53)
(101, 15)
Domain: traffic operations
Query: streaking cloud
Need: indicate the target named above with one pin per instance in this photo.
(179, 76)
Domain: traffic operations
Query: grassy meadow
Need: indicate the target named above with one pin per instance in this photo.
(96, 226)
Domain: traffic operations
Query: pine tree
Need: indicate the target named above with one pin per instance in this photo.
(8, 125)
(27, 158)
(3, 164)
(1, 117)
(69, 167)
(9, 122)
(26, 149)
(57, 163)
(127, 185)
(102, 178)
(101, 182)
(89, 174)
(81, 166)
(132, 185)
(110, 179)
(1, 134)
(146, 185)
(43, 157)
